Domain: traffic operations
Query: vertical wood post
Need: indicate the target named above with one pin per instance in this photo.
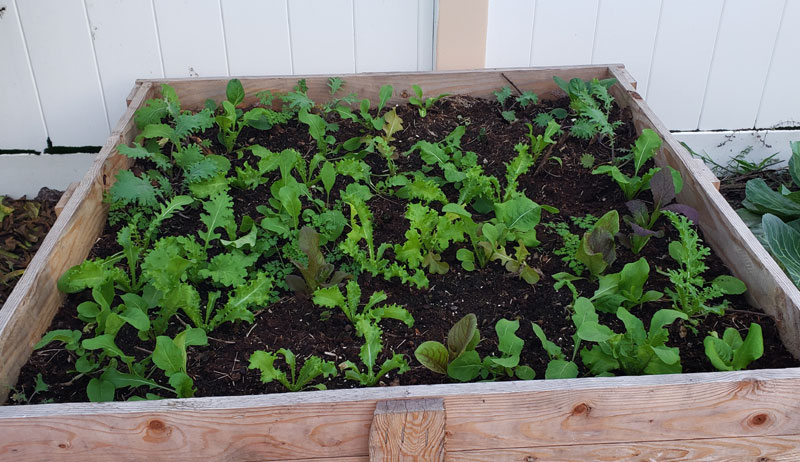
(408, 430)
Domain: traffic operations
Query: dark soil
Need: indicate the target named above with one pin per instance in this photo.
(21, 234)
(490, 293)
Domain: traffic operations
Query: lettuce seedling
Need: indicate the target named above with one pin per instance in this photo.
(423, 104)
(316, 273)
(332, 297)
(170, 356)
(462, 337)
(730, 353)
(643, 150)
(597, 250)
(558, 367)
(625, 288)
(527, 156)
(313, 367)
(429, 235)
(369, 356)
(636, 351)
(691, 293)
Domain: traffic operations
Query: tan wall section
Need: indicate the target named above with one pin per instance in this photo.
(461, 34)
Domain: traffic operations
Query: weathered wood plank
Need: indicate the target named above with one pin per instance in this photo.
(62, 201)
(480, 416)
(408, 430)
(194, 92)
(768, 287)
(770, 448)
(34, 301)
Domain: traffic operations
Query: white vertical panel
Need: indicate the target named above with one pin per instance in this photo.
(126, 46)
(322, 36)
(739, 68)
(509, 33)
(563, 32)
(626, 33)
(385, 35)
(192, 42)
(425, 28)
(257, 37)
(780, 104)
(21, 122)
(60, 49)
(687, 32)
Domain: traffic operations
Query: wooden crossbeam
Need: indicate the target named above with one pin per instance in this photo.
(409, 430)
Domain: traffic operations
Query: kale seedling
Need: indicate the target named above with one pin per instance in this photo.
(429, 235)
(592, 104)
(312, 368)
(369, 356)
(691, 293)
(332, 297)
(423, 104)
(731, 353)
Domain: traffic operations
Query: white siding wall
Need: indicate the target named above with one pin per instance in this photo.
(67, 65)
(701, 65)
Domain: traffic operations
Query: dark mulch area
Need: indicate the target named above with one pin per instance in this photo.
(490, 293)
(21, 234)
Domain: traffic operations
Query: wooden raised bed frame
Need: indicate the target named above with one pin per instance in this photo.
(753, 415)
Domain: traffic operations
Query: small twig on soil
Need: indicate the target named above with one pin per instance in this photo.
(66, 384)
(145, 350)
(251, 330)
(754, 313)
(229, 342)
(519, 92)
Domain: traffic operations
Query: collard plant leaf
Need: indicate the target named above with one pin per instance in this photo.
(784, 244)
(761, 199)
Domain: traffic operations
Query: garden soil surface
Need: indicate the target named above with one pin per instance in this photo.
(490, 293)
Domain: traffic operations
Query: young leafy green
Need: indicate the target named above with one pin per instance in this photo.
(313, 367)
(731, 353)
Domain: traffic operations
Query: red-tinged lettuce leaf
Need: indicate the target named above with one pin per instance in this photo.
(685, 210)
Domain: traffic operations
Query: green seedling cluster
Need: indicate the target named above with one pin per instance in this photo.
(313, 232)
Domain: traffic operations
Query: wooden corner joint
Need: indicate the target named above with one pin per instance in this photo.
(408, 429)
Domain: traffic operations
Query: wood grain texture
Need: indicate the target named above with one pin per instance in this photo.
(34, 301)
(745, 42)
(408, 431)
(62, 201)
(684, 25)
(480, 416)
(768, 286)
(763, 449)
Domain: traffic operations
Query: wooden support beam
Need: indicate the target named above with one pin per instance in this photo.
(62, 202)
(408, 430)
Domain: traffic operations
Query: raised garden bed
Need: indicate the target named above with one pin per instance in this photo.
(523, 415)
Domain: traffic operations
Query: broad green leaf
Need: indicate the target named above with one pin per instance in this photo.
(329, 297)
(598, 362)
(784, 244)
(168, 356)
(760, 198)
(669, 355)
(645, 147)
(633, 325)
(461, 334)
(125, 380)
(632, 278)
(751, 349)
(592, 331)
(508, 343)
(264, 362)
(553, 350)
(136, 318)
(393, 123)
(729, 285)
(384, 94)
(561, 369)
(234, 92)
(328, 175)
(183, 384)
(524, 373)
(70, 338)
(663, 318)
(106, 343)
(98, 390)
(465, 367)
(433, 355)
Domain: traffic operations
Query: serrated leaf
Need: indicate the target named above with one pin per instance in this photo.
(130, 189)
(186, 124)
(219, 214)
(229, 269)
(87, 275)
